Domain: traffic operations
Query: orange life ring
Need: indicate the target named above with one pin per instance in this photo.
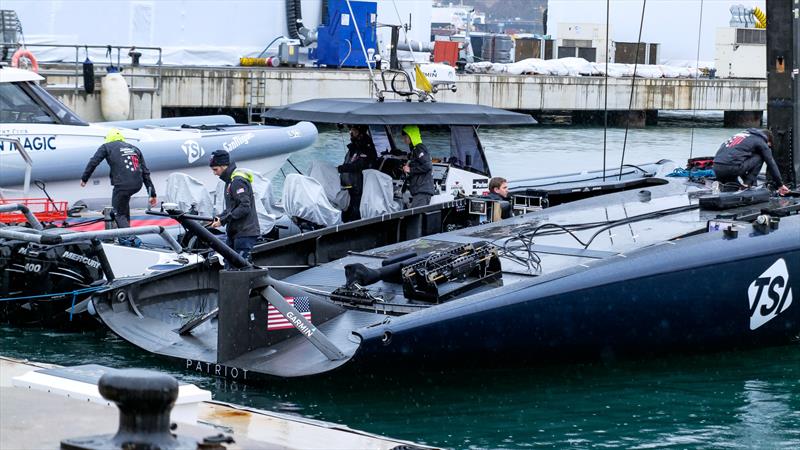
(27, 54)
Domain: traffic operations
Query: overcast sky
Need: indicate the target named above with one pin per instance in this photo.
(672, 23)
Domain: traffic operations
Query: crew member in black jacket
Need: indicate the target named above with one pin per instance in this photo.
(361, 155)
(419, 168)
(743, 155)
(239, 217)
(498, 189)
(128, 173)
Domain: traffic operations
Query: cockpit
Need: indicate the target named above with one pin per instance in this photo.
(27, 102)
(380, 186)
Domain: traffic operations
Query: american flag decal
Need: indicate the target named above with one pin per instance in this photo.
(276, 321)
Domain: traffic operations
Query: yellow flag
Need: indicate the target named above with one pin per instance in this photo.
(422, 80)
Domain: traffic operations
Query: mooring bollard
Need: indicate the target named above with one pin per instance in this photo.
(145, 399)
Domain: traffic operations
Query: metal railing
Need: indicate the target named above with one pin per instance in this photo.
(25, 157)
(77, 73)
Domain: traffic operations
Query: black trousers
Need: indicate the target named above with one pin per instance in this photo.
(121, 202)
(420, 200)
(242, 245)
(353, 211)
(748, 170)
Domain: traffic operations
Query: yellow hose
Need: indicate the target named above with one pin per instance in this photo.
(761, 17)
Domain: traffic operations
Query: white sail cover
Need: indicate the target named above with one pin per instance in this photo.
(186, 190)
(378, 195)
(304, 197)
(328, 176)
(266, 208)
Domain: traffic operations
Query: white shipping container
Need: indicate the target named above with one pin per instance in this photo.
(741, 53)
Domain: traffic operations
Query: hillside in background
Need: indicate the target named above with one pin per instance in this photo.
(508, 10)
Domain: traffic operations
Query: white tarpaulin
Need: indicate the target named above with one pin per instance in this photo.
(328, 176)
(190, 32)
(266, 208)
(305, 198)
(575, 67)
(186, 191)
(378, 195)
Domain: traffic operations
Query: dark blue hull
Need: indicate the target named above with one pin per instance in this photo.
(697, 294)
(637, 277)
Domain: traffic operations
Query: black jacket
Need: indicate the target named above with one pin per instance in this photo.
(505, 204)
(742, 146)
(360, 156)
(420, 177)
(128, 169)
(240, 217)
(496, 196)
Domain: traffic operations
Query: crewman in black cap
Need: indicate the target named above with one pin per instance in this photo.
(239, 217)
(361, 155)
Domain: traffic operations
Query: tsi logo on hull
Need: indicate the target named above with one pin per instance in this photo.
(770, 294)
(193, 151)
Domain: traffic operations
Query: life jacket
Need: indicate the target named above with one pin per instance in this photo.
(241, 173)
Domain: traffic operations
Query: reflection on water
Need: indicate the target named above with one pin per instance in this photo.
(766, 411)
(748, 399)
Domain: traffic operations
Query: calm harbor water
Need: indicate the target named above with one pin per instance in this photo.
(744, 399)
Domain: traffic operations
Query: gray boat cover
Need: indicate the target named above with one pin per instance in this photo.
(266, 207)
(378, 195)
(368, 111)
(186, 190)
(304, 197)
(328, 176)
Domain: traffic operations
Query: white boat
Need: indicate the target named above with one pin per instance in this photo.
(60, 144)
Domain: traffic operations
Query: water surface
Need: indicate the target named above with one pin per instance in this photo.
(745, 399)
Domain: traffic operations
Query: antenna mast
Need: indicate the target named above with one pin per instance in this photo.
(783, 40)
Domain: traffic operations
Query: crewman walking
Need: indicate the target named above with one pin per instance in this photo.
(128, 173)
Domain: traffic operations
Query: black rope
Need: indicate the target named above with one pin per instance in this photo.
(697, 75)
(633, 90)
(641, 217)
(295, 167)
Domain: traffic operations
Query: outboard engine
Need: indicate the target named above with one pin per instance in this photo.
(43, 278)
(8, 249)
(11, 256)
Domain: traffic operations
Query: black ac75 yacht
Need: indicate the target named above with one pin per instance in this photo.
(665, 265)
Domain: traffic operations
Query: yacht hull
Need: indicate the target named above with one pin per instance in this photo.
(59, 154)
(670, 286)
(699, 294)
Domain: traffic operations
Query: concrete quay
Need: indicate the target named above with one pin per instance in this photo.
(171, 90)
(38, 410)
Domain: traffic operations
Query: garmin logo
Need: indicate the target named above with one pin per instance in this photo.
(301, 327)
(82, 259)
(238, 141)
(770, 294)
